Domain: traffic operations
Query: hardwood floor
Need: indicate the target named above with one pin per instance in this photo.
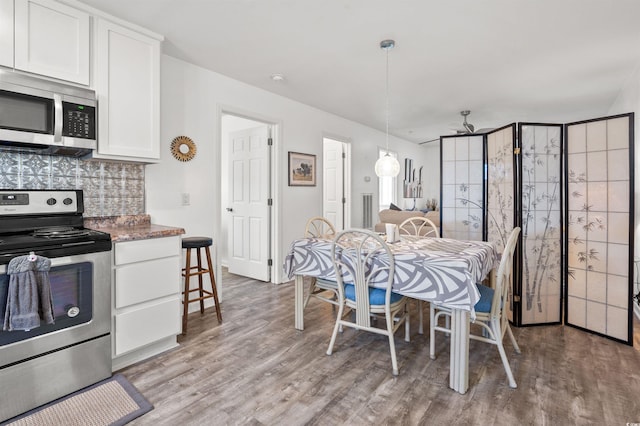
(255, 368)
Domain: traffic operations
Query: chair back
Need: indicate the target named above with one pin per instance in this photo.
(359, 256)
(319, 226)
(419, 226)
(504, 278)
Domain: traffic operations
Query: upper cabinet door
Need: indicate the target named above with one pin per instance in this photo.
(128, 87)
(6, 33)
(52, 39)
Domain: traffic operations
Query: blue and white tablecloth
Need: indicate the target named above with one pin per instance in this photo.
(435, 269)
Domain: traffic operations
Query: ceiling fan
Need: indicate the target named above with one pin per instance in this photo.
(467, 128)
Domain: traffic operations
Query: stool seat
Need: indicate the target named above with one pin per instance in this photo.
(196, 242)
(199, 270)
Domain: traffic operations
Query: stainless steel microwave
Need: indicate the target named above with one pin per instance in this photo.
(46, 117)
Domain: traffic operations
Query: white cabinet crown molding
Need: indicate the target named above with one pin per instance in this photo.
(100, 14)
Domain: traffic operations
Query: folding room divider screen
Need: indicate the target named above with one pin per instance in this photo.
(501, 185)
(462, 180)
(540, 207)
(599, 223)
(493, 181)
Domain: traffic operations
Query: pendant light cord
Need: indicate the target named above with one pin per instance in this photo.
(387, 97)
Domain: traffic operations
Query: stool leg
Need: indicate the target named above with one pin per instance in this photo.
(200, 286)
(213, 285)
(185, 302)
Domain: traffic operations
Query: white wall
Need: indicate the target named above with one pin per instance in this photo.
(192, 100)
(628, 100)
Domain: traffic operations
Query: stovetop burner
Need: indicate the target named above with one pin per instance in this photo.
(60, 232)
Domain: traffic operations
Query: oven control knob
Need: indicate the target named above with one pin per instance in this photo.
(51, 201)
(67, 201)
(72, 311)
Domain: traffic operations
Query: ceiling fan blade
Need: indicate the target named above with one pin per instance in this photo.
(468, 126)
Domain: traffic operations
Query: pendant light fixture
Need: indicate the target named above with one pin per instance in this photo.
(387, 166)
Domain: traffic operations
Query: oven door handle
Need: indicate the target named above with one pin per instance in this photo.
(55, 261)
(81, 243)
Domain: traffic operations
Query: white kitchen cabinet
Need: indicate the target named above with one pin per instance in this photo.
(146, 298)
(127, 82)
(6, 33)
(51, 39)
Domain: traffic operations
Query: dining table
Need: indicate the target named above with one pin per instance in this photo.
(438, 270)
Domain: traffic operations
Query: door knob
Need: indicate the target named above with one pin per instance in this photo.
(229, 209)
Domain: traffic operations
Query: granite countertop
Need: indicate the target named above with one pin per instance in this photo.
(129, 228)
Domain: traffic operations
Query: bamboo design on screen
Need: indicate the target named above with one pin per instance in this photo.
(541, 232)
(586, 221)
(501, 203)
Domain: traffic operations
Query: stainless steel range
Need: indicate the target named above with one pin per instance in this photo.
(53, 360)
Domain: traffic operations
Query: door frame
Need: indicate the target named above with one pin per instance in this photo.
(274, 161)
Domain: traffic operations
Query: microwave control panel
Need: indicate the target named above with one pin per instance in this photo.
(78, 121)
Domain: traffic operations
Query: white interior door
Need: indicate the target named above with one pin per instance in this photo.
(249, 210)
(333, 204)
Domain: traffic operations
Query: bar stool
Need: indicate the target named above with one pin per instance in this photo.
(188, 271)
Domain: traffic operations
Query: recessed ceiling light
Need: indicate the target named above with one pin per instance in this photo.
(277, 77)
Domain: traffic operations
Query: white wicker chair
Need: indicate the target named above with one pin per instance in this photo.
(489, 310)
(319, 288)
(354, 251)
(425, 228)
(419, 226)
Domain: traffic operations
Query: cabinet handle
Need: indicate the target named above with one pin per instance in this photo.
(229, 209)
(57, 119)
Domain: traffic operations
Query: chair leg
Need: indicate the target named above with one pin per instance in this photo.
(214, 287)
(392, 346)
(200, 285)
(513, 339)
(432, 331)
(312, 287)
(185, 294)
(335, 330)
(495, 325)
(407, 324)
(420, 318)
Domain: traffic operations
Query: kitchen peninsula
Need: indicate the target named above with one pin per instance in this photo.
(146, 288)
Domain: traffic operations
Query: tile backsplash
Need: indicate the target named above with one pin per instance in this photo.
(110, 188)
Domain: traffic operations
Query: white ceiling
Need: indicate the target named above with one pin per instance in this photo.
(505, 60)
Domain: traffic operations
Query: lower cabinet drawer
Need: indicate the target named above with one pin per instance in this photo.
(139, 327)
(141, 250)
(140, 282)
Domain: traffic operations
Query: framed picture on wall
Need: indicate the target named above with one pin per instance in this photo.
(302, 169)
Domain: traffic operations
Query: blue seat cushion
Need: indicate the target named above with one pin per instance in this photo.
(486, 297)
(376, 295)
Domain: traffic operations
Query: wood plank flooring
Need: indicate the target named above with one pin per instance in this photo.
(256, 369)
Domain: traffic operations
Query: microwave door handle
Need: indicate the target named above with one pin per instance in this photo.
(57, 119)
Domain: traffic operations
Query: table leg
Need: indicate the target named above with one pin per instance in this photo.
(459, 356)
(299, 302)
